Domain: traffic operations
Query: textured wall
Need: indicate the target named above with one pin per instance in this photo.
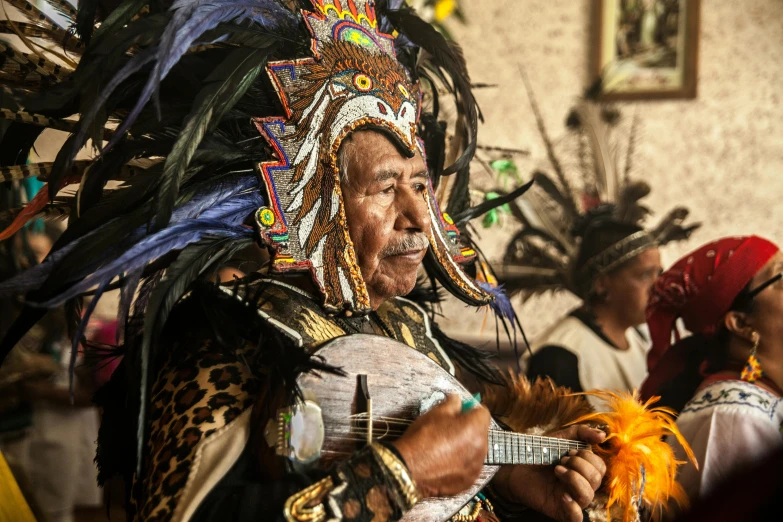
(720, 154)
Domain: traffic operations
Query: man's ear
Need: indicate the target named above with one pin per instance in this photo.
(737, 323)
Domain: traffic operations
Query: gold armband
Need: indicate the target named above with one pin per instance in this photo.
(297, 508)
(406, 487)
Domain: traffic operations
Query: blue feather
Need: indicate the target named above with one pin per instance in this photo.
(208, 197)
(35, 276)
(235, 210)
(175, 237)
(500, 303)
(189, 22)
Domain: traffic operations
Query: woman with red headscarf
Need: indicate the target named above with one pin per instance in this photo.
(725, 379)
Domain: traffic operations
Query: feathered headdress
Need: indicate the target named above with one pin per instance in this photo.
(216, 124)
(552, 252)
(204, 114)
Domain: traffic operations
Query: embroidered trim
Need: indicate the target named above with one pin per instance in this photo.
(735, 393)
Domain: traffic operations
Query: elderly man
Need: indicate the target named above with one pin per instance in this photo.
(338, 190)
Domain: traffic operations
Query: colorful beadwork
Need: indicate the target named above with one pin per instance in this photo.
(353, 80)
(752, 370)
(265, 217)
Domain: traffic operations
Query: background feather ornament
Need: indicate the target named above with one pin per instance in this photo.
(557, 213)
(639, 463)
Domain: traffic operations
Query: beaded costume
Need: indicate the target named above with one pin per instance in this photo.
(217, 126)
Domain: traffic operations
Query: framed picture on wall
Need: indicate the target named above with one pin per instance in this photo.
(646, 49)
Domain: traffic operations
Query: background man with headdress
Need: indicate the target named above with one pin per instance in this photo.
(303, 129)
(590, 241)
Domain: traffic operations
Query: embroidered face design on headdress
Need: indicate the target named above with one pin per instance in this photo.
(354, 80)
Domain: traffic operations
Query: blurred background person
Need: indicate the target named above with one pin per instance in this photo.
(592, 242)
(724, 379)
(598, 345)
(46, 435)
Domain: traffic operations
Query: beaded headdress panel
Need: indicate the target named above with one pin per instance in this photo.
(353, 80)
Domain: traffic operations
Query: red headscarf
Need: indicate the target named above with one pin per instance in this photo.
(700, 289)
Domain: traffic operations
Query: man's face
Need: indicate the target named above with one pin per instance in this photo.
(628, 289)
(387, 214)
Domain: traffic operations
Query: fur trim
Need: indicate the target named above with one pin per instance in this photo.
(536, 408)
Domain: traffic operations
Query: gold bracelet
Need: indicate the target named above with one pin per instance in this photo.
(296, 509)
(405, 484)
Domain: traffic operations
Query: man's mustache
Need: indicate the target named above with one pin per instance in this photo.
(411, 242)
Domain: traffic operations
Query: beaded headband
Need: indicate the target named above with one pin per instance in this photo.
(612, 257)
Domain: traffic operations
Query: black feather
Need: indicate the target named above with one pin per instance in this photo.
(629, 210)
(547, 185)
(85, 19)
(482, 208)
(529, 247)
(443, 56)
(225, 86)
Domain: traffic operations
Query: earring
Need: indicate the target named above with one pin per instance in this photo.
(752, 370)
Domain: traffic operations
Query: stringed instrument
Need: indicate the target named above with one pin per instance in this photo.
(385, 387)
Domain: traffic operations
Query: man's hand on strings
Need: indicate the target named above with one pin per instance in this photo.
(445, 448)
(560, 492)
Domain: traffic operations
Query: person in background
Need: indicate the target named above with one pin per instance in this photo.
(726, 378)
(47, 435)
(592, 240)
(598, 345)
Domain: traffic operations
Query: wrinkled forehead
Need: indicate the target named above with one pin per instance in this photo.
(372, 153)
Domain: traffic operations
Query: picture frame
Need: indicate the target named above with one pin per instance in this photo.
(646, 49)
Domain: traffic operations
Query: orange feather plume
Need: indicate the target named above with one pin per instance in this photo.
(638, 461)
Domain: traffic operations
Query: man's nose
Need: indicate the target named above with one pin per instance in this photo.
(413, 212)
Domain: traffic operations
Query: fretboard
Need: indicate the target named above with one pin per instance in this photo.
(515, 448)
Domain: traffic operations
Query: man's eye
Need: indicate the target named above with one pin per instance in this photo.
(419, 188)
(388, 190)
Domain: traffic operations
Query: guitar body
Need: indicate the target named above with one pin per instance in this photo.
(401, 382)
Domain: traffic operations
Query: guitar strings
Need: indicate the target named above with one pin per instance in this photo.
(408, 422)
(359, 434)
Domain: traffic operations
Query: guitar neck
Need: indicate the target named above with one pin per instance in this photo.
(516, 448)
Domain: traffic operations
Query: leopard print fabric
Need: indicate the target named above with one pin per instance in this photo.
(198, 391)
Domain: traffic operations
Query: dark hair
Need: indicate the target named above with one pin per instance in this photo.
(710, 352)
(598, 231)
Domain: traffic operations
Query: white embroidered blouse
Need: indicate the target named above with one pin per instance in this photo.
(728, 424)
